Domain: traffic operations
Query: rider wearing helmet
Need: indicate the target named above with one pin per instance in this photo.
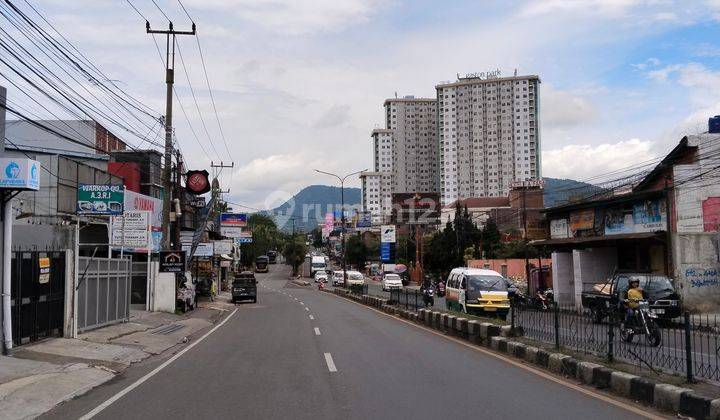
(632, 297)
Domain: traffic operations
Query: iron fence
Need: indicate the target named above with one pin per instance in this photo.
(408, 299)
(688, 345)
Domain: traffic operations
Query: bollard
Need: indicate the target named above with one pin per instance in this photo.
(688, 349)
(557, 326)
(611, 339)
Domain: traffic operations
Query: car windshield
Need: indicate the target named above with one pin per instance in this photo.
(355, 276)
(392, 277)
(318, 265)
(478, 283)
(652, 282)
(243, 281)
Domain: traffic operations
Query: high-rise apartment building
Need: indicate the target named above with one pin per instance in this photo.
(488, 135)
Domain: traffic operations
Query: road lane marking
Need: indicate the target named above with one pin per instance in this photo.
(307, 309)
(317, 331)
(311, 317)
(538, 372)
(295, 298)
(97, 410)
(302, 303)
(330, 363)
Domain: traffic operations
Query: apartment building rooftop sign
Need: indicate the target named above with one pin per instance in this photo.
(492, 74)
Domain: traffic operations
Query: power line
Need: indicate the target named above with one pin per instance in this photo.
(136, 10)
(161, 10)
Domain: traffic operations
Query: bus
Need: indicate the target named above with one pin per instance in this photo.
(261, 264)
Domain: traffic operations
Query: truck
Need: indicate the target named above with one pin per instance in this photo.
(317, 263)
(604, 299)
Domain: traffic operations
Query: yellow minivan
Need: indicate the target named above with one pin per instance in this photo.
(477, 291)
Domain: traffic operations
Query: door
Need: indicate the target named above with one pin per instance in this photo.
(462, 294)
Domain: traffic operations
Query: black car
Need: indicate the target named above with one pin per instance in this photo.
(272, 257)
(244, 287)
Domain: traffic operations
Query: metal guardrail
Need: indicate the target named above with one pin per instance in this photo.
(690, 344)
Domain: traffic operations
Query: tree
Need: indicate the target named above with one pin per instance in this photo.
(265, 237)
(490, 239)
(356, 252)
(317, 241)
(294, 252)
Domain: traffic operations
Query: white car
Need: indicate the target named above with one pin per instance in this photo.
(355, 278)
(391, 281)
(321, 276)
(337, 278)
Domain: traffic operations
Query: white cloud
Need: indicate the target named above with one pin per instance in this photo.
(335, 116)
(650, 62)
(604, 8)
(562, 109)
(581, 161)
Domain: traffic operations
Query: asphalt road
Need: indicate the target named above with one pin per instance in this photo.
(303, 354)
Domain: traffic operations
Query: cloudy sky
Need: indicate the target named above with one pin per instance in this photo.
(299, 84)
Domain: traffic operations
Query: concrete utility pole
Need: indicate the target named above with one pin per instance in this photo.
(170, 34)
(342, 215)
(5, 290)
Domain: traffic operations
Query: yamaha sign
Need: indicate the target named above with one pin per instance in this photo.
(19, 174)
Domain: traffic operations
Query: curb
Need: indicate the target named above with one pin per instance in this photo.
(664, 397)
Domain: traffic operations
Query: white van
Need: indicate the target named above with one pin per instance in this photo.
(477, 291)
(317, 264)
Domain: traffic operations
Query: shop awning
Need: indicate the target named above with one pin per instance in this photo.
(226, 257)
(590, 240)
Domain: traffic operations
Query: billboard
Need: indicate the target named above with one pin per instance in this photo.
(559, 229)
(19, 174)
(618, 221)
(582, 220)
(140, 202)
(231, 231)
(649, 216)
(233, 219)
(387, 233)
(131, 230)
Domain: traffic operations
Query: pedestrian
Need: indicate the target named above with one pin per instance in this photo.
(213, 288)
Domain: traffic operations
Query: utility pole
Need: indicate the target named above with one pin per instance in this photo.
(216, 174)
(525, 242)
(170, 34)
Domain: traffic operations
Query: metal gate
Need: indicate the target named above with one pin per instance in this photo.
(139, 283)
(103, 292)
(37, 301)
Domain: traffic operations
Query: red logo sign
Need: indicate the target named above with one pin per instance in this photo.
(197, 182)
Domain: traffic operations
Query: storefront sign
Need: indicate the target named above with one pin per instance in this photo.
(559, 229)
(385, 251)
(223, 247)
(204, 249)
(582, 220)
(44, 264)
(233, 219)
(245, 237)
(387, 233)
(172, 261)
(100, 199)
(198, 182)
(197, 203)
(131, 230)
(649, 216)
(19, 174)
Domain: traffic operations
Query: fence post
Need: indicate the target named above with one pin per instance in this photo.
(688, 349)
(556, 311)
(512, 317)
(611, 338)
(416, 300)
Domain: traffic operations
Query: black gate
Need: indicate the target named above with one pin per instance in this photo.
(37, 301)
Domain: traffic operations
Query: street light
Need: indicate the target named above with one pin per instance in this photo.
(342, 215)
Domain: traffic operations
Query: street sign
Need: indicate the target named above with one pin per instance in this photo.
(131, 230)
(19, 174)
(387, 233)
(100, 199)
(44, 264)
(233, 219)
(172, 261)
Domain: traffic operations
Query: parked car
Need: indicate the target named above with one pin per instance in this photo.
(244, 287)
(477, 291)
(660, 292)
(391, 281)
(321, 276)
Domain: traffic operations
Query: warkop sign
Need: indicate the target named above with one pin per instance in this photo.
(172, 261)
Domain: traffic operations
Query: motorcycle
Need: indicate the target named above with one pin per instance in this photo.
(642, 323)
(429, 296)
(544, 299)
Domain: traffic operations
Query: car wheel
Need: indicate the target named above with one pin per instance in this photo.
(254, 300)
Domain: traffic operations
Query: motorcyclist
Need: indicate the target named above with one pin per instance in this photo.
(631, 299)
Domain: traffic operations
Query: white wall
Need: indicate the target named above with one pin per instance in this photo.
(696, 265)
(563, 277)
(592, 266)
(163, 290)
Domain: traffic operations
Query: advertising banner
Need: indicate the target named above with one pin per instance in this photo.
(618, 221)
(204, 249)
(582, 220)
(140, 202)
(649, 216)
(223, 247)
(100, 199)
(364, 220)
(19, 174)
(559, 229)
(385, 251)
(231, 231)
(233, 219)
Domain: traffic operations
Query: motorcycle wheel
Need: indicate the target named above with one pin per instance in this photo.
(654, 339)
(626, 335)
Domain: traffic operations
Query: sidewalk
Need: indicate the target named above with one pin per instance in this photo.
(44, 374)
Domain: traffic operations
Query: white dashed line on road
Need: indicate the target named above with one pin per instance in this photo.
(330, 363)
(311, 317)
(317, 331)
(302, 303)
(307, 309)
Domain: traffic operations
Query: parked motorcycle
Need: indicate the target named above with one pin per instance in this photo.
(642, 323)
(544, 300)
(429, 296)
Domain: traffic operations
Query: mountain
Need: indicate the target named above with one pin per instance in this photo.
(559, 191)
(309, 205)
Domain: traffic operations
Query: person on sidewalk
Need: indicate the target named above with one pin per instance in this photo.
(213, 288)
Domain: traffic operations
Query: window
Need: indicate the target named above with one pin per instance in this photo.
(504, 270)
